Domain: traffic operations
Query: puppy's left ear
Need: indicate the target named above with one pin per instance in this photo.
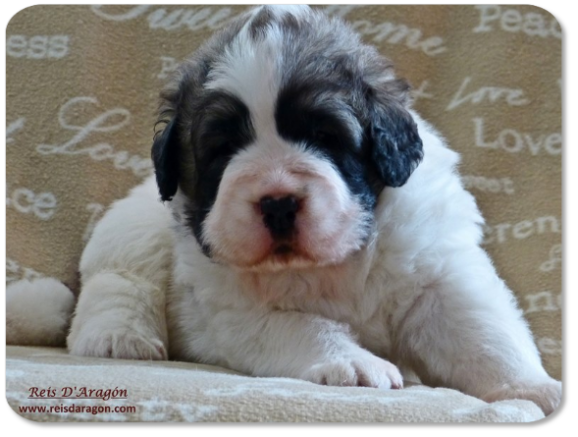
(395, 145)
(165, 159)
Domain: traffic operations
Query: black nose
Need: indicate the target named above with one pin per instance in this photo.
(279, 214)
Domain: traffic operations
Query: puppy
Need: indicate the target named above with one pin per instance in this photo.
(313, 227)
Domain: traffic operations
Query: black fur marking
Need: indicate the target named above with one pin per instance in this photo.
(396, 148)
(328, 128)
(266, 19)
(261, 23)
(165, 158)
(223, 129)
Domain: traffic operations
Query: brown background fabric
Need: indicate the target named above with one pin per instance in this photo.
(82, 90)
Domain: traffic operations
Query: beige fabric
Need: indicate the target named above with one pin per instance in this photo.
(82, 86)
(186, 392)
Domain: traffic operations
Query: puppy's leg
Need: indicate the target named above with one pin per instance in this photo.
(119, 315)
(125, 270)
(286, 344)
(465, 331)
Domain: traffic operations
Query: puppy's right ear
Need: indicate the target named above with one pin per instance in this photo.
(165, 159)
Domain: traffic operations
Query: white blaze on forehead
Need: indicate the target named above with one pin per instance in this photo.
(251, 70)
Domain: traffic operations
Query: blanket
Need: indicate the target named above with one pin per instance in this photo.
(125, 391)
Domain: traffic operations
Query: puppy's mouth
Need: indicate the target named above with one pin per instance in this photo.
(283, 249)
(282, 255)
(285, 253)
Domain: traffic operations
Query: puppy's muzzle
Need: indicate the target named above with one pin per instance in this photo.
(279, 215)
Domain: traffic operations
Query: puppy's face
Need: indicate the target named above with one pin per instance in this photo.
(281, 132)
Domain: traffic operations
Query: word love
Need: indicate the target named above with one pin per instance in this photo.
(105, 122)
(513, 97)
(512, 20)
(513, 141)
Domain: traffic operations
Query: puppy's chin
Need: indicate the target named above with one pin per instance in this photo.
(281, 257)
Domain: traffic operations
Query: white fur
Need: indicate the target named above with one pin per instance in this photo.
(38, 312)
(421, 293)
(125, 271)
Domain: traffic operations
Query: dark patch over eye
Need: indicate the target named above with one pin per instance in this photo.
(314, 127)
(219, 146)
(223, 130)
(326, 136)
(226, 128)
(327, 125)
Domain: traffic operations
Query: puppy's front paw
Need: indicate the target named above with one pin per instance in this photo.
(546, 394)
(117, 343)
(365, 370)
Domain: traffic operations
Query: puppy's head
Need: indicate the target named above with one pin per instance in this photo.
(280, 133)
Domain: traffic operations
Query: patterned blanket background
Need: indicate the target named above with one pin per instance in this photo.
(82, 91)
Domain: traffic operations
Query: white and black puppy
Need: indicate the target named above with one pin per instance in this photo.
(313, 227)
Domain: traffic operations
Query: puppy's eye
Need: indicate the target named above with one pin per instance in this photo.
(325, 137)
(224, 146)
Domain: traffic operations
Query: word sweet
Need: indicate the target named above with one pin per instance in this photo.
(492, 185)
(195, 18)
(513, 97)
(512, 20)
(101, 123)
(37, 47)
(513, 141)
(500, 233)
